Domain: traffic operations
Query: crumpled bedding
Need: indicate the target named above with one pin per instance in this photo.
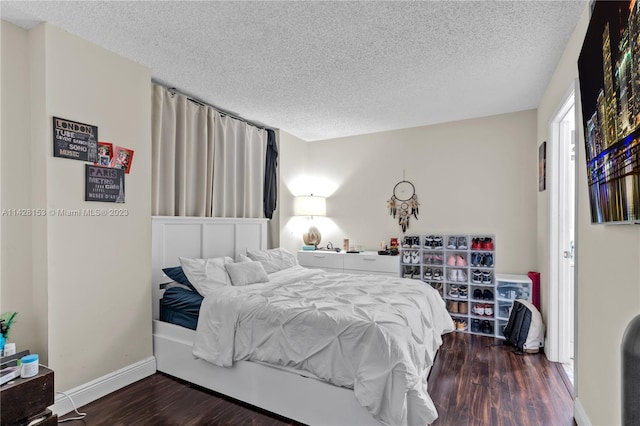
(375, 334)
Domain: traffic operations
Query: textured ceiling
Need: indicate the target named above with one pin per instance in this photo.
(321, 70)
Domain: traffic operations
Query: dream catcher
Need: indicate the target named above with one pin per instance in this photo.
(403, 203)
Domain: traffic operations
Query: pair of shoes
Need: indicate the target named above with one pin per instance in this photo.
(482, 309)
(486, 327)
(457, 276)
(410, 271)
(456, 260)
(411, 242)
(411, 257)
(482, 259)
(433, 242)
(479, 294)
(483, 277)
(436, 274)
(457, 243)
(433, 259)
(482, 243)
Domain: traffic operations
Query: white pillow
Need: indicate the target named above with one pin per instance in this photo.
(244, 273)
(242, 258)
(273, 260)
(206, 275)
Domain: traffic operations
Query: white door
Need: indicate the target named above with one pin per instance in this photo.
(561, 186)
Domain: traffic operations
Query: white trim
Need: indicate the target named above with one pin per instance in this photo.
(96, 389)
(580, 414)
(552, 349)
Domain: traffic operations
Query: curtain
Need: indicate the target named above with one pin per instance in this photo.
(205, 163)
(270, 175)
(239, 168)
(182, 155)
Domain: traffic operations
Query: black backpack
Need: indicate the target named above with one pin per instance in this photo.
(525, 329)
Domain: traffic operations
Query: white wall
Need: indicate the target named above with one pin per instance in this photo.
(472, 176)
(16, 190)
(608, 273)
(292, 166)
(91, 275)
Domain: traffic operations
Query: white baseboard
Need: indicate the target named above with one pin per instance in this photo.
(96, 389)
(580, 414)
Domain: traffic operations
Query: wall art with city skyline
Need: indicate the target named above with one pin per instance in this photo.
(609, 74)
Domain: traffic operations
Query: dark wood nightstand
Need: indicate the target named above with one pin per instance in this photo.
(25, 400)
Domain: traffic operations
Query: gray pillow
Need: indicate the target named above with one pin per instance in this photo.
(244, 273)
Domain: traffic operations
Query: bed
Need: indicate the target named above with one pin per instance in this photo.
(289, 388)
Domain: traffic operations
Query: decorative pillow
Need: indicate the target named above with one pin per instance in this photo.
(206, 275)
(177, 274)
(273, 260)
(243, 273)
(242, 258)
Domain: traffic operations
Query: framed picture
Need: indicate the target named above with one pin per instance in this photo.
(122, 158)
(75, 140)
(542, 167)
(104, 184)
(105, 154)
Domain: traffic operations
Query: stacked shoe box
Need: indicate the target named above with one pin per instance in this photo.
(461, 267)
(510, 287)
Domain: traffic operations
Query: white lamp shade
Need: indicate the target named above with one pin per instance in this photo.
(306, 205)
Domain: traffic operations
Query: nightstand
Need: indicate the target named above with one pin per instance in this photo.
(25, 400)
(367, 262)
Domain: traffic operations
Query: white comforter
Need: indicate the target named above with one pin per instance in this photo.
(377, 335)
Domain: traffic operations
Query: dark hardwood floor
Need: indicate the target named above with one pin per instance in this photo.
(474, 381)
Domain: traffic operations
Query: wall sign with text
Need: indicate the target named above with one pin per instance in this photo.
(104, 184)
(75, 140)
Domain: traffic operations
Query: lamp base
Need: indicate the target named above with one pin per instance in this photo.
(312, 237)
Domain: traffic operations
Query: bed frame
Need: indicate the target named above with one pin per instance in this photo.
(289, 394)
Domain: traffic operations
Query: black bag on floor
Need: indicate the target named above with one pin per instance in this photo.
(525, 329)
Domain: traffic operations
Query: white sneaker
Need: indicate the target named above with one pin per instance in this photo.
(488, 310)
(462, 276)
(406, 257)
(415, 257)
(453, 275)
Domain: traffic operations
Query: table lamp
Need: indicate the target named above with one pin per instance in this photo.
(310, 205)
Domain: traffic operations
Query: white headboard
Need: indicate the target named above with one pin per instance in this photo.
(199, 238)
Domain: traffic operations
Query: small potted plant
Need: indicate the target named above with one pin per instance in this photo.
(6, 321)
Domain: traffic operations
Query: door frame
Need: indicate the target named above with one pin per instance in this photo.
(552, 345)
